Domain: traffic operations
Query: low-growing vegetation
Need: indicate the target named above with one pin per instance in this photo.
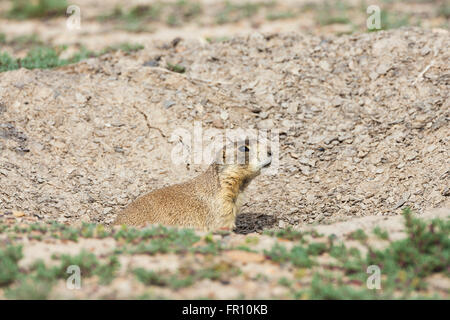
(136, 18)
(149, 17)
(176, 68)
(405, 264)
(29, 9)
(235, 11)
(45, 57)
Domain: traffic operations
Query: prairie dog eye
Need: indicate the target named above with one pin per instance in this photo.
(244, 149)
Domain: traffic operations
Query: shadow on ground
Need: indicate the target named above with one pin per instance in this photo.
(253, 222)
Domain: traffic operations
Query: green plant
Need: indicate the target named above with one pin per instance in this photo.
(7, 62)
(26, 9)
(86, 261)
(444, 10)
(288, 234)
(284, 282)
(212, 248)
(317, 248)
(358, 235)
(406, 263)
(323, 288)
(152, 278)
(298, 255)
(217, 39)
(233, 12)
(176, 67)
(381, 234)
(424, 251)
(42, 57)
(38, 281)
(29, 288)
(70, 234)
(389, 20)
(107, 271)
(280, 15)
(183, 11)
(9, 258)
(333, 14)
(244, 248)
(157, 239)
(173, 13)
(27, 40)
(186, 276)
(82, 54)
(125, 47)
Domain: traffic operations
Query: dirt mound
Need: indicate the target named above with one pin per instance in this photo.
(363, 123)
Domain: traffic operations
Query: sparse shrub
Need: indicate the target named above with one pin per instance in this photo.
(7, 62)
(298, 255)
(42, 57)
(288, 234)
(29, 288)
(176, 67)
(381, 234)
(9, 258)
(280, 15)
(317, 248)
(149, 277)
(26, 9)
(358, 235)
(325, 288)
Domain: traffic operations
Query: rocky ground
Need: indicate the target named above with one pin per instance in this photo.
(363, 130)
(363, 123)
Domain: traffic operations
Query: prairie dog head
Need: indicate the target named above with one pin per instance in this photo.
(244, 158)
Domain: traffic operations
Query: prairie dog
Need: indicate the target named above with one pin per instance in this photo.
(210, 201)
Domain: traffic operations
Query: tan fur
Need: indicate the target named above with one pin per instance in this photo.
(210, 201)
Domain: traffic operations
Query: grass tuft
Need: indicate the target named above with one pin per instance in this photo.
(43, 57)
(29, 9)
